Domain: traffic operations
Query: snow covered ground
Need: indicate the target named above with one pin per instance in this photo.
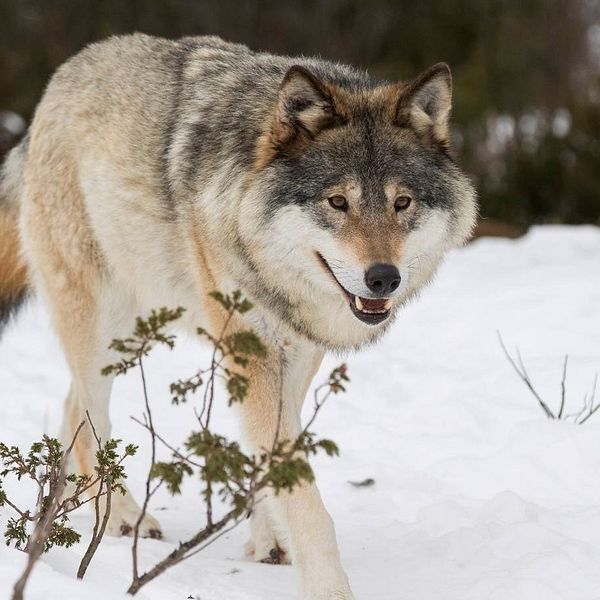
(477, 495)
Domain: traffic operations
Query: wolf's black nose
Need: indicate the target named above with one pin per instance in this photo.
(382, 280)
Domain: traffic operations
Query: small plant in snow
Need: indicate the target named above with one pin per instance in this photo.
(589, 407)
(45, 464)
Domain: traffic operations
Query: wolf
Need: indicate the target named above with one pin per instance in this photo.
(156, 171)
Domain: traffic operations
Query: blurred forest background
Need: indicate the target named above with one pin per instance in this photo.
(526, 120)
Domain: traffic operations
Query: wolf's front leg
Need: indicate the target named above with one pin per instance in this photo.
(296, 522)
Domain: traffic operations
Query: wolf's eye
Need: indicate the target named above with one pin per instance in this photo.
(402, 202)
(338, 202)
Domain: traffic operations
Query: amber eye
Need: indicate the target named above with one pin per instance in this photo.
(402, 202)
(338, 202)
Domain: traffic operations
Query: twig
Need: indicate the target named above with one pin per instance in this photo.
(80, 491)
(209, 508)
(563, 388)
(280, 403)
(175, 451)
(209, 390)
(318, 404)
(223, 532)
(522, 373)
(209, 397)
(593, 408)
(180, 553)
(99, 527)
(148, 495)
(22, 513)
(96, 437)
(251, 506)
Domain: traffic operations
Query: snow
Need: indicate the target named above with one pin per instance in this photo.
(14, 123)
(477, 494)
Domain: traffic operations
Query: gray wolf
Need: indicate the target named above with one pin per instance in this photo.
(157, 171)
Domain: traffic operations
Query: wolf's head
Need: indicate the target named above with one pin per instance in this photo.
(359, 200)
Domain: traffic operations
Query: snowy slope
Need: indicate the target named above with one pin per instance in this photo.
(477, 497)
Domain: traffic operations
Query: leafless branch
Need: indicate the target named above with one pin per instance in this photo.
(589, 402)
(593, 408)
(318, 404)
(175, 451)
(522, 373)
(563, 388)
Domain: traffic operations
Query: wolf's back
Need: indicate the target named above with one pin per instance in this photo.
(14, 285)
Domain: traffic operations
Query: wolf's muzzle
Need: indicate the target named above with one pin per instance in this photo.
(371, 311)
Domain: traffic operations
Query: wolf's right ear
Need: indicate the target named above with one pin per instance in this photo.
(304, 107)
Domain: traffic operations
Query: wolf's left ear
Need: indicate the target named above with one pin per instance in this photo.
(304, 107)
(425, 103)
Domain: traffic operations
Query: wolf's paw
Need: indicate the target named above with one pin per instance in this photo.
(122, 523)
(269, 553)
(276, 556)
(265, 545)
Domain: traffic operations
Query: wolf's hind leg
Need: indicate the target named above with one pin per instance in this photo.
(87, 306)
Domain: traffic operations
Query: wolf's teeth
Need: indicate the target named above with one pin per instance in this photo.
(388, 304)
(358, 303)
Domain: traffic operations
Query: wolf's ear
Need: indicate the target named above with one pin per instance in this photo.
(425, 103)
(304, 107)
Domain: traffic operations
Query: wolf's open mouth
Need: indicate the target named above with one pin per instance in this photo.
(371, 311)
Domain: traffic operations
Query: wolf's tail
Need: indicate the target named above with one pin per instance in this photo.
(14, 281)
